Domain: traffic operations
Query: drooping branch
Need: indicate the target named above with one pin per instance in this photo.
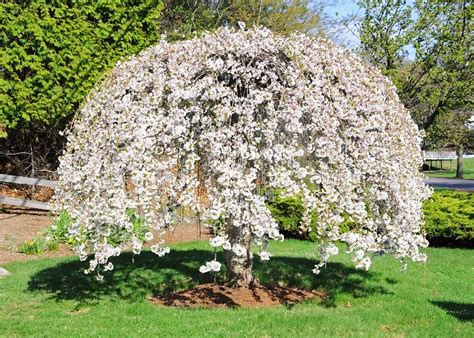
(211, 124)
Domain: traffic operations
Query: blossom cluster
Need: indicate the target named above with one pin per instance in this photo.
(232, 115)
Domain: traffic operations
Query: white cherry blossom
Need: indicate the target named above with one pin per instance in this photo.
(213, 266)
(214, 124)
(265, 255)
(239, 250)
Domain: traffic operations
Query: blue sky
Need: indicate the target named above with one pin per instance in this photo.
(341, 9)
(348, 36)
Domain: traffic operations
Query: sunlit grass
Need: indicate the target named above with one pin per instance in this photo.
(52, 297)
(468, 170)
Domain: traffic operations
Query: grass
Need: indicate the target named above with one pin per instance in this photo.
(53, 297)
(468, 170)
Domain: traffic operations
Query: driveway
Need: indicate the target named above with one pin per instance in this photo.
(451, 183)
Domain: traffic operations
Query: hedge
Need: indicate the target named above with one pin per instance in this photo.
(53, 52)
(449, 217)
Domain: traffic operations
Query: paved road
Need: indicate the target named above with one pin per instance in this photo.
(451, 183)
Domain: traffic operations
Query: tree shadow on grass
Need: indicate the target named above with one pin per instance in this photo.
(336, 278)
(464, 312)
(149, 275)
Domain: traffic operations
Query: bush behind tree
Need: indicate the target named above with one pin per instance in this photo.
(449, 218)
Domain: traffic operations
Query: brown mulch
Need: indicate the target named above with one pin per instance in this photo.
(17, 226)
(222, 296)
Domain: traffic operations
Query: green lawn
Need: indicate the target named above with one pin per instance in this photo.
(468, 170)
(52, 297)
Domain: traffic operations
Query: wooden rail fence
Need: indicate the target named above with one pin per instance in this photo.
(27, 181)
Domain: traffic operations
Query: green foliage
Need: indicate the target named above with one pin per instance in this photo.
(288, 212)
(54, 52)
(138, 230)
(36, 246)
(449, 217)
(449, 129)
(184, 19)
(439, 80)
(57, 232)
(280, 16)
(385, 31)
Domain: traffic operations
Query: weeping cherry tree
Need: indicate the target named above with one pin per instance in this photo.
(215, 124)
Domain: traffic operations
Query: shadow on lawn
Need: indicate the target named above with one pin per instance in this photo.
(150, 275)
(462, 311)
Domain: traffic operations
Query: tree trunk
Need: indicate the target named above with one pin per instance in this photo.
(460, 162)
(239, 268)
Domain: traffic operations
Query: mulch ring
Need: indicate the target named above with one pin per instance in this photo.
(222, 296)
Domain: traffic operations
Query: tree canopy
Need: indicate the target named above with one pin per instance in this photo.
(215, 123)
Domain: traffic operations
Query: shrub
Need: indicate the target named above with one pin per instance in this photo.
(449, 217)
(58, 231)
(55, 51)
(288, 212)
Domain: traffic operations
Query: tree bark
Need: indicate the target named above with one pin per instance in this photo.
(239, 268)
(460, 161)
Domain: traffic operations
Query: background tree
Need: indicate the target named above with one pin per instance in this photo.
(184, 18)
(215, 124)
(53, 53)
(386, 30)
(451, 130)
(281, 16)
(439, 80)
